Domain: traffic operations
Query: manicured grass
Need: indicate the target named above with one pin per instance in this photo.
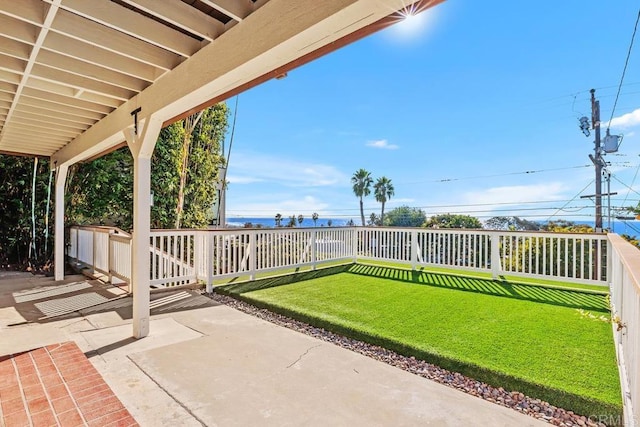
(548, 343)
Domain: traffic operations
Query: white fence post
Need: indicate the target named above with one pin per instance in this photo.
(208, 250)
(414, 249)
(495, 255)
(354, 243)
(93, 251)
(253, 258)
(109, 255)
(314, 239)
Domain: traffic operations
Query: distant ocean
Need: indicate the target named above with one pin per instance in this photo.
(271, 222)
(631, 228)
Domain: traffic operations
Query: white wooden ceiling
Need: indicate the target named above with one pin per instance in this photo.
(68, 65)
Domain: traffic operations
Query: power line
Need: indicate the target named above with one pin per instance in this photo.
(624, 70)
(632, 182)
(630, 189)
(572, 199)
(497, 175)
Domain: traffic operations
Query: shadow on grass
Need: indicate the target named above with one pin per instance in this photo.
(529, 292)
(285, 279)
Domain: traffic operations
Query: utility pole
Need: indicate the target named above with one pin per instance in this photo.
(597, 159)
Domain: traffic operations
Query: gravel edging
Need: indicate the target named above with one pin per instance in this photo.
(514, 400)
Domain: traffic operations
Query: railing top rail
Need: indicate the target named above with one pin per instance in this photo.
(101, 229)
(239, 230)
(629, 256)
(121, 238)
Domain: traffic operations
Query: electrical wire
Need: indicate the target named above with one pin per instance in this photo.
(572, 199)
(624, 70)
(228, 157)
(632, 182)
(497, 175)
(630, 189)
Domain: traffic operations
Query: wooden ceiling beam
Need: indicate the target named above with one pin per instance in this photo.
(133, 24)
(107, 38)
(234, 9)
(38, 94)
(95, 55)
(180, 14)
(90, 71)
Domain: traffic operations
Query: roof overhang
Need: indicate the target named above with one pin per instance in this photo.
(72, 72)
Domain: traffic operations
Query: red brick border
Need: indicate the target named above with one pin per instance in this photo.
(57, 386)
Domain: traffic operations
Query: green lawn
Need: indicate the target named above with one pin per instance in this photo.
(548, 343)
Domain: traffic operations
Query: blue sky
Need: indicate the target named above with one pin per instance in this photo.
(454, 111)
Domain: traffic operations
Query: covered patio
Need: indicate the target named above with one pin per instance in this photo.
(209, 364)
(80, 80)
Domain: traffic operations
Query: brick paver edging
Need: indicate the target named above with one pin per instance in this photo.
(57, 386)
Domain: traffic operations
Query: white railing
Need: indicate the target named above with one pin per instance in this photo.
(624, 270)
(104, 250)
(557, 256)
(173, 257)
(189, 256)
(186, 256)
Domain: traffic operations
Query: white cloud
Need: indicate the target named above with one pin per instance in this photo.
(382, 143)
(627, 120)
(508, 200)
(258, 167)
(242, 179)
(516, 194)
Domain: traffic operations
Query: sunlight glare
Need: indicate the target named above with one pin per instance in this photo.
(413, 25)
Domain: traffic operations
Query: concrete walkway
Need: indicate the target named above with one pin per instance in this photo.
(216, 366)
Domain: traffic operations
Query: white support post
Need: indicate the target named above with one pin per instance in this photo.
(61, 177)
(141, 145)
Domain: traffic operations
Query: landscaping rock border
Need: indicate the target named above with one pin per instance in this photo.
(514, 400)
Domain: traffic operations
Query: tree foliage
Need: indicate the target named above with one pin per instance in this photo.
(204, 160)
(563, 226)
(453, 221)
(383, 189)
(361, 182)
(15, 213)
(404, 216)
(512, 223)
(101, 192)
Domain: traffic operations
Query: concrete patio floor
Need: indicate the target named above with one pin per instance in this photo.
(215, 366)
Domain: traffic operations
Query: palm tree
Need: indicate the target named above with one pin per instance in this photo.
(278, 220)
(300, 219)
(383, 190)
(361, 181)
(314, 217)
